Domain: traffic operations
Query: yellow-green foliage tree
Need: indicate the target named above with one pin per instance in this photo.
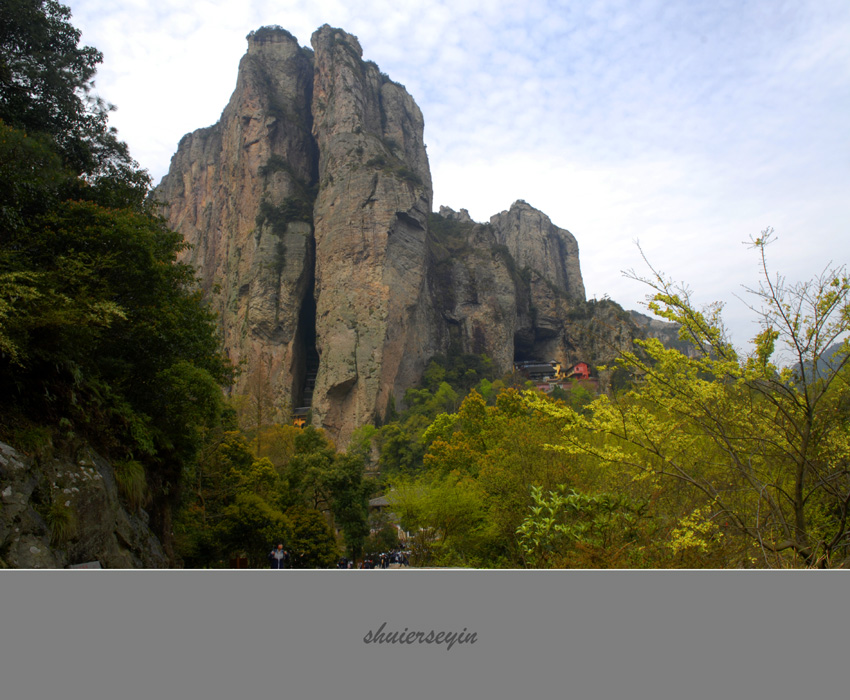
(572, 529)
(473, 492)
(751, 458)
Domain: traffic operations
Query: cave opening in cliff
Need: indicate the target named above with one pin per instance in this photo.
(525, 349)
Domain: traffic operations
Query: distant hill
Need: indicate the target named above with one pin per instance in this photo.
(827, 364)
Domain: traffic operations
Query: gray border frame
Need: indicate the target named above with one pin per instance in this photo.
(539, 634)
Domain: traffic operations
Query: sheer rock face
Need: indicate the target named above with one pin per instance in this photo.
(228, 192)
(547, 257)
(536, 243)
(308, 209)
(667, 333)
(371, 220)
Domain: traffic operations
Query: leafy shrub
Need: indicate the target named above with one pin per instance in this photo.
(378, 161)
(408, 174)
(33, 440)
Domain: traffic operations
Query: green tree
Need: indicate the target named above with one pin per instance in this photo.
(350, 501)
(334, 483)
(46, 87)
(102, 334)
(236, 504)
(251, 525)
(448, 515)
(570, 529)
(400, 451)
(312, 545)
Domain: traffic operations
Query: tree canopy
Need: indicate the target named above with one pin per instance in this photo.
(46, 87)
(103, 335)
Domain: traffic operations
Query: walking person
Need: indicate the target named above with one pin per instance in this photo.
(278, 557)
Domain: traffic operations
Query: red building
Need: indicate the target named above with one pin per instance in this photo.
(579, 370)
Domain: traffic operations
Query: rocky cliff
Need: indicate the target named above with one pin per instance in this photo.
(512, 289)
(308, 211)
(371, 222)
(58, 511)
(667, 333)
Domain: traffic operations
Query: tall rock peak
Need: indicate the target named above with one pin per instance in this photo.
(308, 210)
(270, 34)
(370, 219)
(535, 242)
(241, 192)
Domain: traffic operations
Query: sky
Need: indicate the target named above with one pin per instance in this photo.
(685, 128)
